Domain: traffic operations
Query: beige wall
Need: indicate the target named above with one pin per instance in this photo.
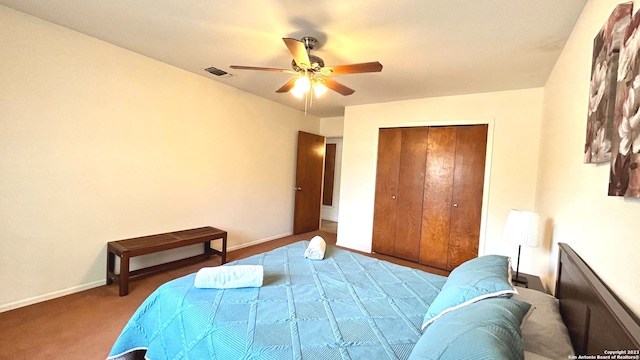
(98, 143)
(332, 127)
(572, 196)
(514, 126)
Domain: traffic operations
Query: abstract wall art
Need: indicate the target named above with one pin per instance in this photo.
(624, 175)
(603, 87)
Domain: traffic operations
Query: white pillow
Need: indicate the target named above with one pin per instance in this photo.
(528, 355)
(544, 332)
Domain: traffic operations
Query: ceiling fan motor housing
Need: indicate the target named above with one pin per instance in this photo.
(316, 64)
(309, 42)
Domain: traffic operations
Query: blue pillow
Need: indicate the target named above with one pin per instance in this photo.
(480, 278)
(488, 329)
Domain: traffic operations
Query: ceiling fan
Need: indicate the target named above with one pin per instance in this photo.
(311, 70)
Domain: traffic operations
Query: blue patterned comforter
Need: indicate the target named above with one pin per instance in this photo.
(348, 306)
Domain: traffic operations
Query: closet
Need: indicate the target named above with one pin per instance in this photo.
(428, 200)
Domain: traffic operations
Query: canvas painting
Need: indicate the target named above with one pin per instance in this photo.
(602, 92)
(624, 175)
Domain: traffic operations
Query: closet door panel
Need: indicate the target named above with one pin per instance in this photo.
(467, 194)
(438, 192)
(410, 193)
(385, 208)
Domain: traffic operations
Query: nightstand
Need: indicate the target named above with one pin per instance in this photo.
(534, 282)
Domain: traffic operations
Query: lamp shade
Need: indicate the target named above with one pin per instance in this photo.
(522, 228)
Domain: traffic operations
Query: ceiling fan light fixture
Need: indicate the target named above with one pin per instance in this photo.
(302, 85)
(297, 93)
(319, 89)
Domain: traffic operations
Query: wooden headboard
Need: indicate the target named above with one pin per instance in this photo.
(596, 319)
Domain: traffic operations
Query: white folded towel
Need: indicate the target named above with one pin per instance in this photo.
(229, 277)
(316, 248)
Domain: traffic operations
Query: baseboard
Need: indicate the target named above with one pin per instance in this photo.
(91, 285)
(51, 295)
(356, 248)
(259, 241)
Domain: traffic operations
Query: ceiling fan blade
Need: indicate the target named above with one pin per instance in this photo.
(299, 52)
(337, 87)
(288, 86)
(352, 69)
(240, 67)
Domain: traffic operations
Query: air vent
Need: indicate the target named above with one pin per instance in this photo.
(217, 72)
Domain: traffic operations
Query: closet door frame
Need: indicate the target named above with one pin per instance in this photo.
(487, 165)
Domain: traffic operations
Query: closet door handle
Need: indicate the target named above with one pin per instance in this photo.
(393, 197)
(455, 205)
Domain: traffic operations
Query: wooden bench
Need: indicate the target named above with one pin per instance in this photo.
(126, 249)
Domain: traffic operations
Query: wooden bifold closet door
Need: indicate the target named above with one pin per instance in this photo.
(428, 201)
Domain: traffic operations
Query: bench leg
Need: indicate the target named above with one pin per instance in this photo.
(207, 249)
(223, 252)
(224, 248)
(111, 264)
(124, 274)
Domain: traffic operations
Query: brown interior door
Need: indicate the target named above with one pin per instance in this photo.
(329, 174)
(308, 187)
(385, 206)
(410, 192)
(438, 193)
(468, 184)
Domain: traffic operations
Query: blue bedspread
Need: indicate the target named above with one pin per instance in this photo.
(348, 306)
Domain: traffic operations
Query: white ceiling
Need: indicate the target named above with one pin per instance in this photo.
(427, 47)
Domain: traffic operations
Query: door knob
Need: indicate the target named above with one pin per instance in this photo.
(297, 188)
(455, 205)
(393, 197)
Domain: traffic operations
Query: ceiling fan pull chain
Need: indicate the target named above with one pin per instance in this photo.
(306, 94)
(306, 98)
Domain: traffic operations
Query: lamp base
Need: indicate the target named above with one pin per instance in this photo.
(520, 280)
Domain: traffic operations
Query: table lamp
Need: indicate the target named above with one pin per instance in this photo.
(521, 229)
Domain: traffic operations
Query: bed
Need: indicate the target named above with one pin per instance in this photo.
(350, 306)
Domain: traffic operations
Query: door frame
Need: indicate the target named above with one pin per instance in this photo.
(487, 165)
